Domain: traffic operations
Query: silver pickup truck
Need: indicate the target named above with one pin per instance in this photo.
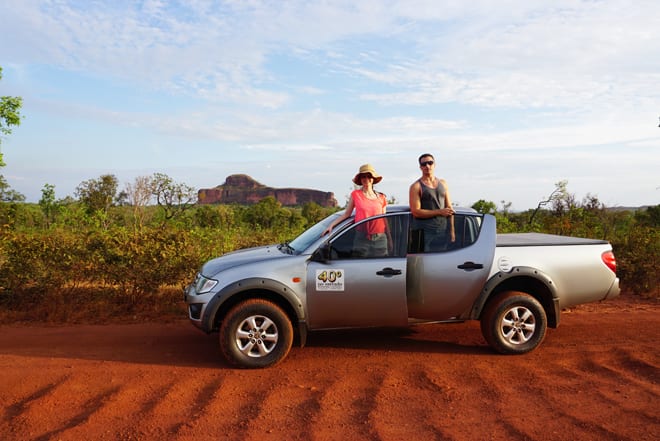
(516, 285)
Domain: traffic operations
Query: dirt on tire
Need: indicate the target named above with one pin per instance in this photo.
(596, 377)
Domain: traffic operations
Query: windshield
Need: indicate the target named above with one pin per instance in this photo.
(312, 234)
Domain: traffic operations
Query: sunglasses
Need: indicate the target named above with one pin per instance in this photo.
(422, 164)
(366, 175)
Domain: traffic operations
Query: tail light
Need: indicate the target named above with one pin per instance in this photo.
(609, 260)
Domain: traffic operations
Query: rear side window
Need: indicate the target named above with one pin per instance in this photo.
(465, 229)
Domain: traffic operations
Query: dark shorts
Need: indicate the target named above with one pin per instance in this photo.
(370, 245)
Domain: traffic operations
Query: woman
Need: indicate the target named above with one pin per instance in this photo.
(372, 236)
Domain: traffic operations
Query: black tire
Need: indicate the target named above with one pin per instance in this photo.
(513, 323)
(255, 333)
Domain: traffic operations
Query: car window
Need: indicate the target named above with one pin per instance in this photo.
(464, 226)
(309, 236)
(376, 237)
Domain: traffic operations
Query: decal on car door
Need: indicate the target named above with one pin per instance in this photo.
(330, 280)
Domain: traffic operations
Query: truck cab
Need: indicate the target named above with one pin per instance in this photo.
(349, 288)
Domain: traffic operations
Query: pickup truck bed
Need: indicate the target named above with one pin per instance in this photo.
(540, 239)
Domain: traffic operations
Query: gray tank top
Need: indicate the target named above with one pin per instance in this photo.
(431, 199)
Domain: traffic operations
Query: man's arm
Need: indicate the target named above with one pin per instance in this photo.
(414, 198)
(415, 201)
(452, 231)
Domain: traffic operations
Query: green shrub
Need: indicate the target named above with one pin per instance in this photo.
(77, 266)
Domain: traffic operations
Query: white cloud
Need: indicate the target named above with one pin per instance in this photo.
(562, 52)
(496, 87)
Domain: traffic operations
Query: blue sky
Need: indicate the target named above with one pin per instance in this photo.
(510, 96)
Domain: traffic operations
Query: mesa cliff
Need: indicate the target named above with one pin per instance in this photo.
(242, 189)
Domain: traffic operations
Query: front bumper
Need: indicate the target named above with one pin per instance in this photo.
(197, 303)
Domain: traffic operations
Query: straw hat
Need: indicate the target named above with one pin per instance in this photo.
(367, 169)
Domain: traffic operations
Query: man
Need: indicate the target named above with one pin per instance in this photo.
(431, 208)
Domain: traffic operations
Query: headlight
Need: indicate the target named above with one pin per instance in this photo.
(204, 284)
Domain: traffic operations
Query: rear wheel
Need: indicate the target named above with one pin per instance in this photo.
(514, 323)
(255, 333)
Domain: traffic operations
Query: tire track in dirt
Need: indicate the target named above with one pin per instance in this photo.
(45, 406)
(609, 377)
(614, 365)
(138, 405)
(133, 394)
(78, 420)
(469, 403)
(408, 399)
(21, 406)
(522, 393)
(438, 382)
(25, 397)
(229, 407)
(286, 410)
(573, 419)
(165, 409)
(345, 403)
(482, 401)
(640, 365)
(181, 402)
(576, 391)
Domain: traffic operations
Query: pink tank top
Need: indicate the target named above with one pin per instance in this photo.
(365, 207)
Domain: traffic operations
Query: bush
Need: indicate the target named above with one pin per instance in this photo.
(638, 260)
(81, 267)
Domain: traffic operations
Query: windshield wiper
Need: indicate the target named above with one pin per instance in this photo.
(286, 248)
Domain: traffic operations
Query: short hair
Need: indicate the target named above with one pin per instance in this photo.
(419, 160)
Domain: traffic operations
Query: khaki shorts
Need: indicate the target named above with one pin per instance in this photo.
(370, 245)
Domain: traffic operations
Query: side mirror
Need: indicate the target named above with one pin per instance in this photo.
(322, 254)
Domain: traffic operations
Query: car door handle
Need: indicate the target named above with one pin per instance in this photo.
(470, 266)
(389, 272)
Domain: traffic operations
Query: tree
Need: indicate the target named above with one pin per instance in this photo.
(138, 195)
(98, 195)
(9, 115)
(7, 194)
(313, 212)
(267, 213)
(47, 203)
(560, 192)
(485, 207)
(174, 198)
(649, 217)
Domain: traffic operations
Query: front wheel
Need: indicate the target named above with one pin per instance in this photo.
(514, 323)
(255, 333)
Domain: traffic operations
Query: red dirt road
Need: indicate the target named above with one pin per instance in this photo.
(596, 377)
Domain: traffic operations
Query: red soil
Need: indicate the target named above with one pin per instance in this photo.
(596, 377)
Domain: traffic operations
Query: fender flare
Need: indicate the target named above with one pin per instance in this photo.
(518, 272)
(229, 292)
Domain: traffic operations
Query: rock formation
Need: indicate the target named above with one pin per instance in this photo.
(242, 189)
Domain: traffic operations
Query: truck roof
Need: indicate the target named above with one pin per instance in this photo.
(399, 208)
